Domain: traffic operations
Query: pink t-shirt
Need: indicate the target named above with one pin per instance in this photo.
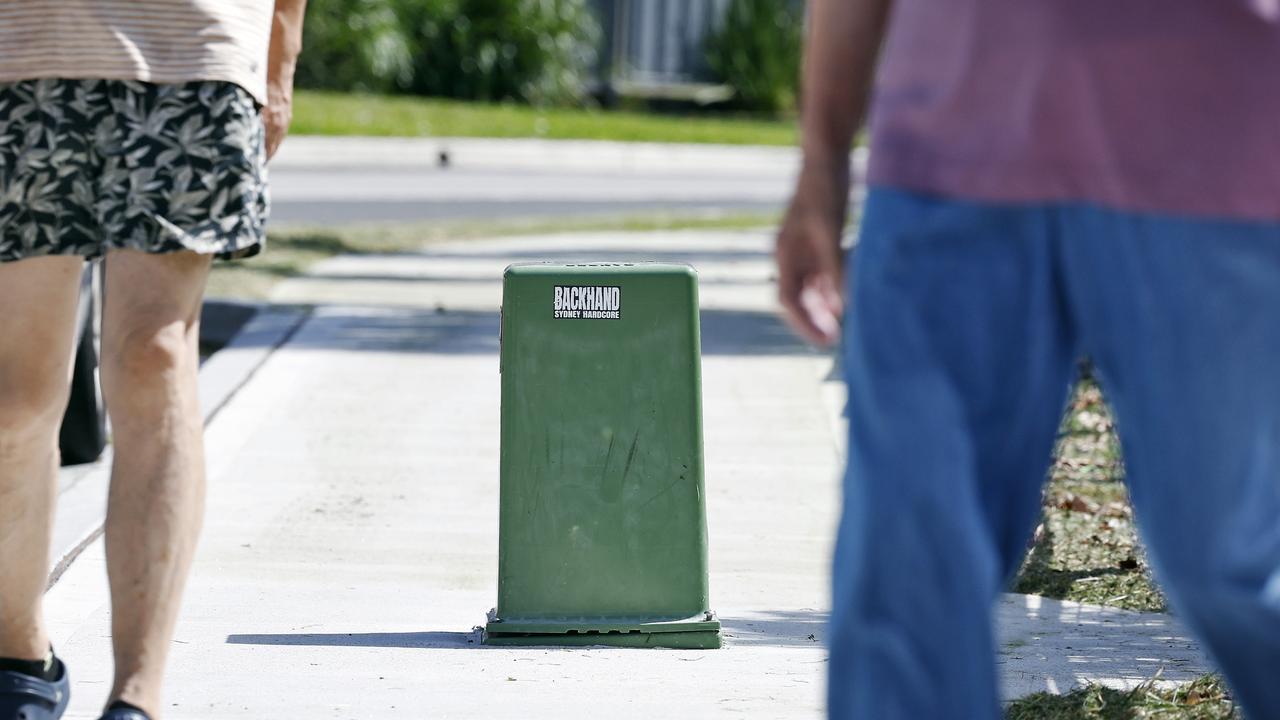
(1166, 106)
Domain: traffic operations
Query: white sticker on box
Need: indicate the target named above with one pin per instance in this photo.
(588, 302)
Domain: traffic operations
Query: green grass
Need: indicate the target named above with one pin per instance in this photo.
(328, 113)
(1206, 698)
(291, 251)
(1086, 549)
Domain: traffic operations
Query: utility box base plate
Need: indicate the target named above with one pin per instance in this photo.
(704, 640)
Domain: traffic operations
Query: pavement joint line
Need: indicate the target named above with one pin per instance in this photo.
(269, 330)
(65, 562)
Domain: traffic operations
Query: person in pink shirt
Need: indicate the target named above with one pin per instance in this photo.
(1047, 182)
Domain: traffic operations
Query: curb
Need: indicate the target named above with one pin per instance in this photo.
(82, 500)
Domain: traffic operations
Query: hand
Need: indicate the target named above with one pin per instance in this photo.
(277, 115)
(810, 263)
(282, 62)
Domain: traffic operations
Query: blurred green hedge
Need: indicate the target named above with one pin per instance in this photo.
(354, 45)
(756, 51)
(537, 51)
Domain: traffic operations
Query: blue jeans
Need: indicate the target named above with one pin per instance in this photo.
(965, 324)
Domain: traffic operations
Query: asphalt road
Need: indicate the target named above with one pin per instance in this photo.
(333, 181)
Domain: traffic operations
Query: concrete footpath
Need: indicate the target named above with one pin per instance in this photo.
(350, 547)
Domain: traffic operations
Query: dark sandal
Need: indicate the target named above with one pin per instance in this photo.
(23, 697)
(124, 714)
(123, 711)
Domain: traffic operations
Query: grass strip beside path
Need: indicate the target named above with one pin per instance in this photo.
(329, 113)
(291, 251)
(1203, 699)
(1087, 549)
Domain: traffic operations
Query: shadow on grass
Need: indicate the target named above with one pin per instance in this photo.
(1038, 578)
(1104, 580)
(318, 242)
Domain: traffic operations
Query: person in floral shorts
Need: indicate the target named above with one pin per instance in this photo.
(138, 132)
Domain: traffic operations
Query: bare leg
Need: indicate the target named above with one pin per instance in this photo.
(149, 370)
(37, 333)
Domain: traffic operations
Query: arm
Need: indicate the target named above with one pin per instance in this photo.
(282, 59)
(841, 50)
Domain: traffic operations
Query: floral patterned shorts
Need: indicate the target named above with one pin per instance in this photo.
(91, 165)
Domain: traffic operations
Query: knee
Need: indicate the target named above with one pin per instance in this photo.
(32, 402)
(148, 355)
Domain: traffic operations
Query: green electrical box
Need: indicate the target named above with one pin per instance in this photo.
(602, 525)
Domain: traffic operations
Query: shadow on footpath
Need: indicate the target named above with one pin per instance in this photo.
(470, 332)
(777, 628)
(485, 279)
(802, 628)
(424, 640)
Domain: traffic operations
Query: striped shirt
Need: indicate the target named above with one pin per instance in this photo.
(160, 41)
